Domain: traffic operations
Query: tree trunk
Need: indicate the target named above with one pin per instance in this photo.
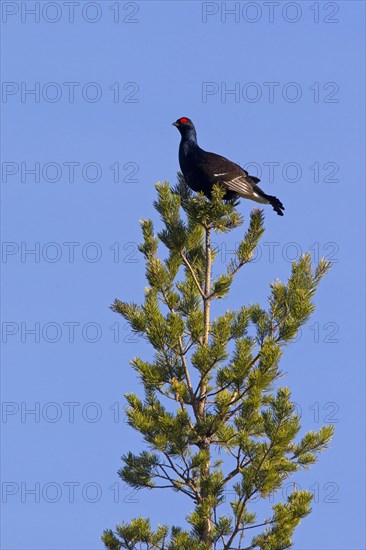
(205, 471)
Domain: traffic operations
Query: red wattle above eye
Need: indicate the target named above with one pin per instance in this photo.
(183, 120)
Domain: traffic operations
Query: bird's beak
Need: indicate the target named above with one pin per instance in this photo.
(175, 124)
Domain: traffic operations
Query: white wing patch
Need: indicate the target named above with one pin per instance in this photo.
(245, 189)
(240, 185)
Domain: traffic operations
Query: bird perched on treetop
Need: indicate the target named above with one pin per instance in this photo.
(202, 169)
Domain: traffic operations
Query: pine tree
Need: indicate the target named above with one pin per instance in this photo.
(222, 401)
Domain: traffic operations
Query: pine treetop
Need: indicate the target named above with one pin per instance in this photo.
(219, 401)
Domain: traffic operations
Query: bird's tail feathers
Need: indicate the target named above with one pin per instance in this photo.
(276, 204)
(273, 201)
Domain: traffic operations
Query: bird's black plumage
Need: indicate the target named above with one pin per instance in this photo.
(202, 169)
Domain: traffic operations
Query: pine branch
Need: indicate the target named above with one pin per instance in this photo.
(182, 354)
(191, 270)
(186, 480)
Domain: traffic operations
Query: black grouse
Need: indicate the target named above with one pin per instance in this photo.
(202, 169)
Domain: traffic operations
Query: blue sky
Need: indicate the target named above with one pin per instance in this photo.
(274, 86)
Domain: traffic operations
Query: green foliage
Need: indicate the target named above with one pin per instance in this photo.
(284, 520)
(132, 534)
(220, 401)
